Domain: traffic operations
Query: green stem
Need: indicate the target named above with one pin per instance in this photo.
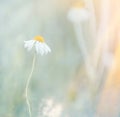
(27, 86)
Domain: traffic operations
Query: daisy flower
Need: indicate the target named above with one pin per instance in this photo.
(39, 44)
(78, 12)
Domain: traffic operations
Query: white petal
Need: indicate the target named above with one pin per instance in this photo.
(47, 47)
(29, 44)
(38, 48)
(44, 48)
(41, 49)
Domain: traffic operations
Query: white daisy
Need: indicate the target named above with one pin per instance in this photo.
(78, 13)
(40, 46)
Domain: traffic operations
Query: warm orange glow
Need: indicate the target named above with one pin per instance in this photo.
(79, 5)
(111, 91)
(39, 38)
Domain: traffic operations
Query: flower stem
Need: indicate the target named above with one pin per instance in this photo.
(84, 50)
(27, 86)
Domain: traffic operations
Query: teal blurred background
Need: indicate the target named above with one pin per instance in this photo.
(72, 75)
(21, 20)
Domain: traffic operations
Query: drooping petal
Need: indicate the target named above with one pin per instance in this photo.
(47, 47)
(36, 47)
(44, 48)
(39, 50)
(29, 44)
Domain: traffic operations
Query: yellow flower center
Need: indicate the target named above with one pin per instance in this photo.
(39, 38)
(79, 5)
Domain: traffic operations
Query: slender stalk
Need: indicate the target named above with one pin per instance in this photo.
(27, 86)
(92, 20)
(84, 51)
(102, 31)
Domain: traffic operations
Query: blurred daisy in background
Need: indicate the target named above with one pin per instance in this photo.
(78, 12)
(39, 43)
(50, 108)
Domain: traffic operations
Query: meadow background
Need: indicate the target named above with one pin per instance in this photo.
(82, 76)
